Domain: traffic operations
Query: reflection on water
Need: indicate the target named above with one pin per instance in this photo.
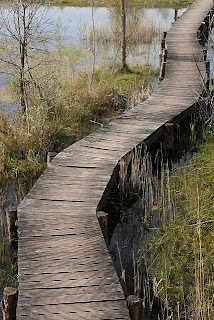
(77, 19)
(125, 243)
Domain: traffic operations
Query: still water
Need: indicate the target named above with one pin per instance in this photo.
(78, 21)
(73, 24)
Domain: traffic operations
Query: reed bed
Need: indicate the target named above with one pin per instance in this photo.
(140, 30)
(172, 269)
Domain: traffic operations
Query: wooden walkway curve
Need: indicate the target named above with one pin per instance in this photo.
(65, 272)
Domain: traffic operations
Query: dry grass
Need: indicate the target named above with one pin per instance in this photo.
(63, 106)
(139, 31)
(173, 270)
(134, 3)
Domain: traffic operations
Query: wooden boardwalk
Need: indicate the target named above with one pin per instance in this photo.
(65, 272)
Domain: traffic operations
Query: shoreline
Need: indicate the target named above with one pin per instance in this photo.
(174, 4)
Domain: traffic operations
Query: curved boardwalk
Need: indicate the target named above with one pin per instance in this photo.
(65, 271)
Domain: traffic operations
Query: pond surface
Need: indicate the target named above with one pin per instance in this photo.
(78, 22)
(75, 23)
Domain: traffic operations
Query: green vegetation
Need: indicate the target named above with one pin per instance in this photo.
(61, 94)
(72, 109)
(134, 3)
(179, 255)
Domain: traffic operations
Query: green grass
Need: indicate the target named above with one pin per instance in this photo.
(180, 254)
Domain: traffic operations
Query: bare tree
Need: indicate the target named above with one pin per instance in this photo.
(25, 32)
(118, 17)
(123, 33)
(94, 44)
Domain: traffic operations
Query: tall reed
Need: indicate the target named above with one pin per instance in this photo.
(172, 268)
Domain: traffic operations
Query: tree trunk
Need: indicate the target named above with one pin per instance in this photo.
(23, 56)
(124, 45)
(22, 93)
(93, 44)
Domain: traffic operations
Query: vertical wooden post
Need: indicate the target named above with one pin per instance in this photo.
(162, 71)
(205, 54)
(165, 52)
(103, 221)
(163, 41)
(9, 303)
(207, 26)
(176, 15)
(208, 74)
(168, 142)
(211, 19)
(50, 157)
(11, 217)
(203, 32)
(136, 310)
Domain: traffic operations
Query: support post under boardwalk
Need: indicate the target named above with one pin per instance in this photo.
(103, 221)
(169, 142)
(11, 216)
(135, 307)
(9, 303)
(50, 157)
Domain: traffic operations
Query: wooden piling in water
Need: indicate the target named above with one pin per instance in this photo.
(135, 307)
(103, 221)
(208, 74)
(12, 221)
(50, 157)
(9, 303)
